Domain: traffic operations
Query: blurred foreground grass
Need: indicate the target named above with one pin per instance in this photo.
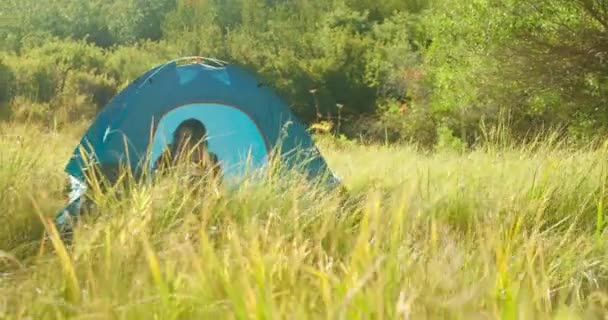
(511, 233)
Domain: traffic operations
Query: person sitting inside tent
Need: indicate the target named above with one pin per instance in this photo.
(190, 149)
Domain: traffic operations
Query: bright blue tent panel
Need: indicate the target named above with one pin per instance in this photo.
(232, 136)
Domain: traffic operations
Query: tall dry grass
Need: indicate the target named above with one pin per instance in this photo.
(509, 233)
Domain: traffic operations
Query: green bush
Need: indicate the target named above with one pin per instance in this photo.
(82, 95)
(79, 98)
(446, 141)
(7, 83)
(35, 79)
(69, 55)
(100, 87)
(62, 80)
(409, 122)
(102, 22)
(126, 63)
(27, 111)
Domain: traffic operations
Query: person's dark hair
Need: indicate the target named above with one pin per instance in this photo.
(196, 127)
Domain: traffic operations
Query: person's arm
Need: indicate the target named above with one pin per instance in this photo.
(215, 166)
(163, 161)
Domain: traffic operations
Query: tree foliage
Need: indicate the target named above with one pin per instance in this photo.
(404, 69)
(542, 62)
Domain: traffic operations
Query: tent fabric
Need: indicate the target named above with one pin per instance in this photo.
(245, 122)
(232, 136)
(126, 129)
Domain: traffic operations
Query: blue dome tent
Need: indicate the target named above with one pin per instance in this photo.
(246, 122)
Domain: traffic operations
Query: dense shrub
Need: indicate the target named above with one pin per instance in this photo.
(7, 80)
(25, 110)
(102, 22)
(34, 78)
(125, 63)
(58, 82)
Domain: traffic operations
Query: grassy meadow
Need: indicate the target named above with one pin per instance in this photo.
(498, 233)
